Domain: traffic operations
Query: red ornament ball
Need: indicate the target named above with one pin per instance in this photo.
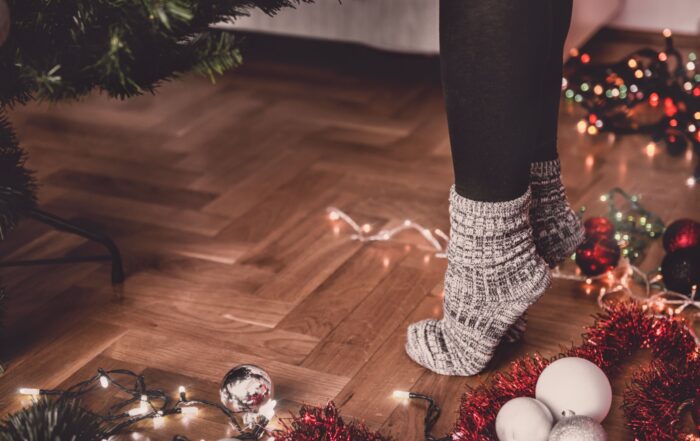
(599, 227)
(683, 233)
(597, 255)
(681, 270)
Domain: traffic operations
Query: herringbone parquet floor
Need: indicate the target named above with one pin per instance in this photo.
(216, 195)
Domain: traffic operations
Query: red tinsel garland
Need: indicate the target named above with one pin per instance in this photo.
(653, 403)
(316, 424)
(652, 415)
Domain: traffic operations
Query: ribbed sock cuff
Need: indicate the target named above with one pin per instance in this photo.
(517, 206)
(545, 169)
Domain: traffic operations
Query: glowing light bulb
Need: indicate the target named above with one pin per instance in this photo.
(690, 65)
(585, 58)
(366, 228)
(638, 73)
(690, 182)
(104, 382)
(189, 410)
(667, 33)
(181, 389)
(581, 126)
(598, 89)
(401, 394)
(650, 149)
(158, 422)
(592, 130)
(29, 391)
(333, 215)
(632, 63)
(663, 56)
(137, 411)
(268, 409)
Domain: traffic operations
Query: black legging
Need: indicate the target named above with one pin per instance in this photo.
(501, 68)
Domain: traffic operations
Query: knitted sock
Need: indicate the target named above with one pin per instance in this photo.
(515, 333)
(557, 229)
(493, 275)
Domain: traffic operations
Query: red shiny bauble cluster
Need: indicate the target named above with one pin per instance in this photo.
(599, 252)
(683, 233)
(681, 266)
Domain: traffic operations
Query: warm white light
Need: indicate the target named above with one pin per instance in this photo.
(104, 382)
(651, 149)
(401, 395)
(667, 33)
(366, 228)
(333, 215)
(268, 409)
(690, 182)
(189, 410)
(581, 126)
(29, 391)
(158, 422)
(136, 411)
(181, 389)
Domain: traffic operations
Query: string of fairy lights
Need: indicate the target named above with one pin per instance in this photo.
(156, 405)
(653, 92)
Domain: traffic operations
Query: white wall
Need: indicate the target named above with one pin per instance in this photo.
(681, 16)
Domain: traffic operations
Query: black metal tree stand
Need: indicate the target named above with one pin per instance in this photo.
(69, 227)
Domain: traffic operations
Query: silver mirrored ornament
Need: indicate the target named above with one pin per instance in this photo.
(577, 428)
(246, 388)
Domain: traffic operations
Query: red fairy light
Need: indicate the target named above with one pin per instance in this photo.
(654, 99)
(673, 123)
(670, 107)
(585, 58)
(696, 91)
(592, 118)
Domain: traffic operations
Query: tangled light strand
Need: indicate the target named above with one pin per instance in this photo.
(152, 404)
(362, 233)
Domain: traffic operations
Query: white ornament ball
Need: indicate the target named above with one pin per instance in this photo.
(578, 428)
(4, 21)
(523, 419)
(577, 385)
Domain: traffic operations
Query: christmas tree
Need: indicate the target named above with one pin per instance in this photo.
(54, 50)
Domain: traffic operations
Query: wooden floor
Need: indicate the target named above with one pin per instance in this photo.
(216, 195)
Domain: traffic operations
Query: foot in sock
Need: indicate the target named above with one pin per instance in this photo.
(557, 229)
(493, 275)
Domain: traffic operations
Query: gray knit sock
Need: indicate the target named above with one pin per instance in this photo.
(515, 333)
(557, 229)
(493, 275)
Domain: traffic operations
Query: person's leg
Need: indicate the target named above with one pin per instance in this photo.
(557, 228)
(492, 54)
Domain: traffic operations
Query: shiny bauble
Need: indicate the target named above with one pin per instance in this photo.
(523, 419)
(4, 21)
(599, 226)
(597, 255)
(683, 233)
(577, 385)
(245, 388)
(681, 270)
(578, 428)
